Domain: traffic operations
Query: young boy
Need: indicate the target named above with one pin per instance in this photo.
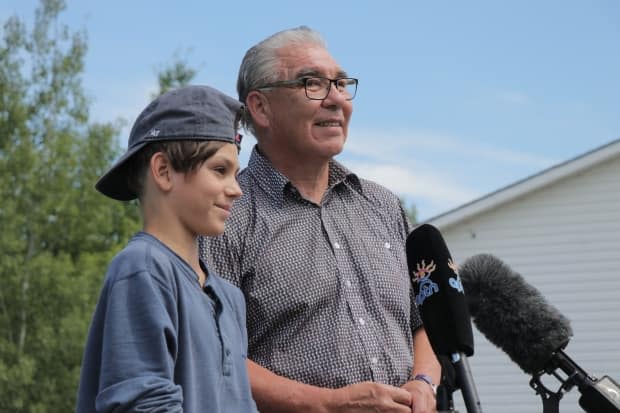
(168, 335)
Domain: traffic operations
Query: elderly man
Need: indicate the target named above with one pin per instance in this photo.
(319, 252)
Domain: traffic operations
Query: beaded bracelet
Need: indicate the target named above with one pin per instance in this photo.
(426, 379)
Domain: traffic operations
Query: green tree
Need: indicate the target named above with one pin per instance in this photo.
(411, 211)
(57, 234)
(175, 74)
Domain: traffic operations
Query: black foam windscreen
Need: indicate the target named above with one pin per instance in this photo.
(439, 292)
(512, 314)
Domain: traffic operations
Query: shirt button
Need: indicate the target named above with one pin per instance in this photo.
(361, 321)
(348, 283)
(387, 245)
(374, 360)
(336, 245)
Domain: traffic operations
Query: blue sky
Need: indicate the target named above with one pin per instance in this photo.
(456, 99)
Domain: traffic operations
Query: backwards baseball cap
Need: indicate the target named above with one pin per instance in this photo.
(187, 113)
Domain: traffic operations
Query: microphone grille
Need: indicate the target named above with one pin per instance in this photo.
(512, 314)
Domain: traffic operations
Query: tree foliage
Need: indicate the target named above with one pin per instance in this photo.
(411, 211)
(175, 74)
(57, 233)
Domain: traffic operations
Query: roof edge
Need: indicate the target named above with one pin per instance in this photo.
(526, 185)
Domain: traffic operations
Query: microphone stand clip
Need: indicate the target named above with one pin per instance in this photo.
(598, 395)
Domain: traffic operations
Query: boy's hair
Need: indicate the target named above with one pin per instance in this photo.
(185, 156)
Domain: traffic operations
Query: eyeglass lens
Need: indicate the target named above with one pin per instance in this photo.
(319, 87)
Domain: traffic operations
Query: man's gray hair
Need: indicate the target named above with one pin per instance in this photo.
(260, 65)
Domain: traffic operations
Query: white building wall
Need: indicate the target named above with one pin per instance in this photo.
(565, 240)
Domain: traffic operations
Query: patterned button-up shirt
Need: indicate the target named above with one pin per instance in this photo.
(329, 299)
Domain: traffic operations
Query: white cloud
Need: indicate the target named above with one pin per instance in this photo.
(407, 144)
(409, 182)
(515, 98)
(435, 171)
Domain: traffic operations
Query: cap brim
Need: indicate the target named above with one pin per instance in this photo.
(113, 183)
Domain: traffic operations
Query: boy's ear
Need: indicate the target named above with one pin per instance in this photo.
(260, 110)
(160, 170)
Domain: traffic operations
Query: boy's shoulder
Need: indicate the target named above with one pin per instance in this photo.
(142, 254)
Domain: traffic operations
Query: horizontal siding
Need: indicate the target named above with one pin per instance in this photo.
(565, 240)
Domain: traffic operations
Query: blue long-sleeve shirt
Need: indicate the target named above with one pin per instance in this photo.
(158, 342)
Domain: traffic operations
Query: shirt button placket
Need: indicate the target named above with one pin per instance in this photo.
(358, 313)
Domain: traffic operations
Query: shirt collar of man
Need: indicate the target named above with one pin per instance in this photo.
(275, 183)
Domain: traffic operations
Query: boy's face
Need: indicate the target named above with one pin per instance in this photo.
(203, 198)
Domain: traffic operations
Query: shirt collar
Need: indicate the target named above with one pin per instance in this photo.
(274, 183)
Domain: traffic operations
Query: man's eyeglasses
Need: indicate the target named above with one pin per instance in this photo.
(317, 88)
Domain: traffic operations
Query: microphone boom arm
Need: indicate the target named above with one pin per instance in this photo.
(598, 395)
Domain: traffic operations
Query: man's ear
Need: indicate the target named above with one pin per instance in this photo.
(161, 170)
(260, 110)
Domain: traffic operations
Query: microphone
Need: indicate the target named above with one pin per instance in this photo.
(441, 300)
(514, 316)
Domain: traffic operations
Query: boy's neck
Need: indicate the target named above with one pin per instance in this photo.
(184, 245)
(161, 220)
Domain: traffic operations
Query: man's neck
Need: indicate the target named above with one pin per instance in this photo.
(312, 189)
(309, 176)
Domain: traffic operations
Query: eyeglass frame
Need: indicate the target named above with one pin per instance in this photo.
(303, 81)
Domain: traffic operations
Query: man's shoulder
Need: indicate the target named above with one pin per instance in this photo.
(377, 192)
(254, 198)
(248, 185)
(382, 201)
(352, 181)
(242, 208)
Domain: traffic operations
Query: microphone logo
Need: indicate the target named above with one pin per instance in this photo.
(426, 286)
(455, 282)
